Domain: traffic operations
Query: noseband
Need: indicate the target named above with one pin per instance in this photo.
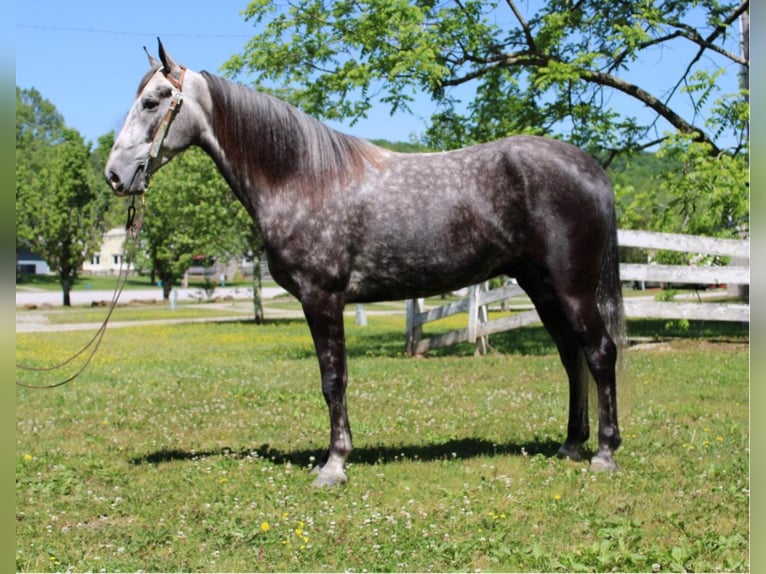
(162, 129)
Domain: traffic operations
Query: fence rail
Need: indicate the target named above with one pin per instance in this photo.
(480, 297)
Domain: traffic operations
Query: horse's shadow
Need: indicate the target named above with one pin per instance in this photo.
(464, 448)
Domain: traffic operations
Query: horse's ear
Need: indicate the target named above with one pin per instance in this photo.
(152, 60)
(168, 64)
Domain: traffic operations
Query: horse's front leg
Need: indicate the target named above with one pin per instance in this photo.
(325, 318)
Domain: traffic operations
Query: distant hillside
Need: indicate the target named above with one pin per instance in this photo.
(638, 171)
(403, 147)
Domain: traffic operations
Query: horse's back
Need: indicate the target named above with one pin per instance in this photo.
(428, 223)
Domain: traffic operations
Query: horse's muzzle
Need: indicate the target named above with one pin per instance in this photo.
(135, 186)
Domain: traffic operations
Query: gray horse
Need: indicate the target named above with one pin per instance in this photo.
(345, 221)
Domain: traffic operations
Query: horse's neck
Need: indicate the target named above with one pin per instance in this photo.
(246, 191)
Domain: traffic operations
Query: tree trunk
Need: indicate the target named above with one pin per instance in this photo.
(257, 291)
(66, 282)
(167, 287)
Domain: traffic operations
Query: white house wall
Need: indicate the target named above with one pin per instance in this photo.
(107, 260)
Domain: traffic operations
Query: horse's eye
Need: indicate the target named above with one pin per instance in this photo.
(149, 103)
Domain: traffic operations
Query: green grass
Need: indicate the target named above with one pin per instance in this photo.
(188, 447)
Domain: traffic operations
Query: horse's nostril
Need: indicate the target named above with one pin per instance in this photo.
(114, 181)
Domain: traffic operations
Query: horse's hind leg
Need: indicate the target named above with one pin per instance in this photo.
(601, 356)
(557, 324)
(325, 318)
(572, 318)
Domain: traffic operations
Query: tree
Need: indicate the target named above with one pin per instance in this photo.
(39, 127)
(492, 69)
(38, 123)
(61, 210)
(551, 71)
(189, 212)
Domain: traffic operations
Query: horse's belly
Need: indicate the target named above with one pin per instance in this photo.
(422, 273)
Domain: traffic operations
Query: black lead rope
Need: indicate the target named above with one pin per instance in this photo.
(133, 228)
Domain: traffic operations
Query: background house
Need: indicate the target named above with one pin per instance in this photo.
(28, 263)
(107, 260)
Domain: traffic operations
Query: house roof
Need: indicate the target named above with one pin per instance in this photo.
(26, 255)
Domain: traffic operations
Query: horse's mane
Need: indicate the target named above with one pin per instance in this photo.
(279, 146)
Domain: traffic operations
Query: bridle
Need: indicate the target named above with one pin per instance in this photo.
(162, 129)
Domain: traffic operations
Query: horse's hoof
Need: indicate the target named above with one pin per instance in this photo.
(327, 480)
(603, 464)
(572, 453)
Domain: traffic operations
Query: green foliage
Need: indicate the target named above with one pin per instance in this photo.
(190, 212)
(59, 207)
(66, 212)
(38, 123)
(684, 189)
(60, 196)
(708, 195)
(39, 127)
(402, 147)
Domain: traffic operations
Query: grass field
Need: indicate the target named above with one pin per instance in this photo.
(188, 448)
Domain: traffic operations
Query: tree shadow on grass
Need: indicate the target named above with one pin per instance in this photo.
(464, 448)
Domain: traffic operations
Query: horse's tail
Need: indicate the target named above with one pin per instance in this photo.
(609, 290)
(612, 310)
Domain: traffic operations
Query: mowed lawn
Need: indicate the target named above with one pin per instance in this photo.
(188, 448)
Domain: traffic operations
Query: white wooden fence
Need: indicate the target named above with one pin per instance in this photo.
(480, 297)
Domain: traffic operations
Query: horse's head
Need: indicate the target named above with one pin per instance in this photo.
(162, 122)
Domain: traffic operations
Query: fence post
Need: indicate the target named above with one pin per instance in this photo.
(360, 316)
(414, 333)
(477, 315)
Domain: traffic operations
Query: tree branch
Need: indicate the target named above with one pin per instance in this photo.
(600, 78)
(506, 60)
(524, 26)
(719, 30)
(618, 60)
(692, 35)
(643, 96)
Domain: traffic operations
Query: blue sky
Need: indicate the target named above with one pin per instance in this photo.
(86, 57)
